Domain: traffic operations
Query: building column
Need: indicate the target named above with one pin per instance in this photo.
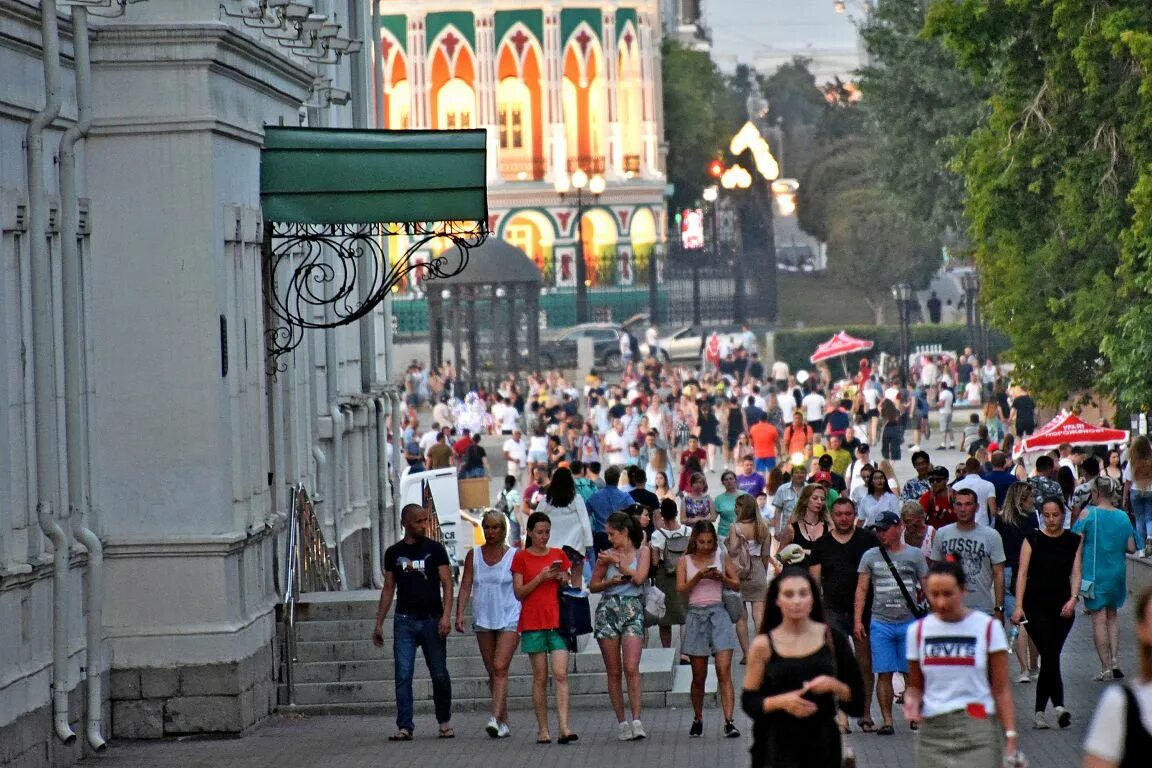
(435, 327)
(533, 296)
(649, 75)
(553, 77)
(418, 110)
(486, 79)
(457, 328)
(614, 168)
(514, 292)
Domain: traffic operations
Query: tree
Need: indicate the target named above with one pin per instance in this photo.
(843, 165)
(924, 107)
(698, 108)
(1057, 185)
(873, 244)
(796, 104)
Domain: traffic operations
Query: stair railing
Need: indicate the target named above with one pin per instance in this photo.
(309, 569)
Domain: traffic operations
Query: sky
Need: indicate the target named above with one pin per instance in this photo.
(767, 33)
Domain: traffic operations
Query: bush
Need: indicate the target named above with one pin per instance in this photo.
(796, 346)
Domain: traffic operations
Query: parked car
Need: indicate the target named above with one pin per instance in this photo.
(687, 343)
(560, 351)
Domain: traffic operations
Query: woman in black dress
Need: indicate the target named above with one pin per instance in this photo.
(799, 671)
(709, 433)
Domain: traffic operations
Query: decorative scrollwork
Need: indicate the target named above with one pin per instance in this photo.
(328, 275)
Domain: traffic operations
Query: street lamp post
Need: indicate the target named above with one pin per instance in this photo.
(563, 185)
(902, 293)
(971, 284)
(735, 178)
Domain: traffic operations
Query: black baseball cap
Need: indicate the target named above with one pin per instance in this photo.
(938, 472)
(885, 520)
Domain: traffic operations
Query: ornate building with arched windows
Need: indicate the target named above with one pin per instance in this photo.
(560, 87)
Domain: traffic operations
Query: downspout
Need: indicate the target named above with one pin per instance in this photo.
(383, 500)
(336, 467)
(397, 455)
(44, 368)
(74, 335)
(374, 515)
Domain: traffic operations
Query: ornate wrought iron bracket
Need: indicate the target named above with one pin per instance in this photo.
(329, 275)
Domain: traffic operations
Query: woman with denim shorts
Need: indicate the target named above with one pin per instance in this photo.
(487, 580)
(619, 576)
(538, 571)
(701, 576)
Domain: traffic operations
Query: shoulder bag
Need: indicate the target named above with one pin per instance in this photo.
(918, 610)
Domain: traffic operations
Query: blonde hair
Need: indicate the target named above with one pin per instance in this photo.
(802, 504)
(748, 512)
(1140, 458)
(495, 516)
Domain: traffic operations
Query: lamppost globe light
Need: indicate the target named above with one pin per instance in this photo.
(596, 185)
(710, 194)
(562, 183)
(579, 179)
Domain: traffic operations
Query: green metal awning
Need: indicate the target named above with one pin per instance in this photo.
(356, 176)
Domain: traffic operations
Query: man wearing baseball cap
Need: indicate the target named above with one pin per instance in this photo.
(894, 570)
(937, 500)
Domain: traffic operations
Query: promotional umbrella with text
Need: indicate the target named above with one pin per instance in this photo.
(839, 345)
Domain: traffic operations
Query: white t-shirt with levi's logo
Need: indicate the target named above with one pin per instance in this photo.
(954, 659)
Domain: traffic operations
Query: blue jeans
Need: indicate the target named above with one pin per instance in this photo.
(474, 472)
(1142, 512)
(410, 633)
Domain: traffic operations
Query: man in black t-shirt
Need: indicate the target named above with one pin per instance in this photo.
(835, 565)
(417, 573)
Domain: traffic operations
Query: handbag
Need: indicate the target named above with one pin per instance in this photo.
(1088, 586)
(733, 604)
(575, 613)
(655, 605)
(918, 610)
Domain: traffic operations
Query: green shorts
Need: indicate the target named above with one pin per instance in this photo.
(542, 641)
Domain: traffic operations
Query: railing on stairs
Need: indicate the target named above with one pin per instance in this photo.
(309, 569)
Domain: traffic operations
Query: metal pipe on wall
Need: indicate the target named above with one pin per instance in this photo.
(44, 367)
(75, 333)
(376, 514)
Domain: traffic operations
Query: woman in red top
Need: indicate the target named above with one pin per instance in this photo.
(538, 571)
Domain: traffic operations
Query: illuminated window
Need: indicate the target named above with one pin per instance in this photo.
(457, 105)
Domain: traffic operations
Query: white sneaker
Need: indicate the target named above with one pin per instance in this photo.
(504, 731)
(1039, 723)
(624, 731)
(1024, 677)
(638, 730)
(492, 728)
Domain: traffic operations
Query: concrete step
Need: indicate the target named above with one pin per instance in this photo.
(655, 665)
(464, 687)
(650, 699)
(326, 606)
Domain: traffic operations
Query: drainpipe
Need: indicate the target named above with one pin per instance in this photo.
(74, 335)
(373, 514)
(383, 410)
(397, 456)
(44, 368)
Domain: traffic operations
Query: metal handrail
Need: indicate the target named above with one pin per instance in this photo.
(309, 568)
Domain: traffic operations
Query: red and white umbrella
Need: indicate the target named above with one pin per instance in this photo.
(839, 345)
(1069, 428)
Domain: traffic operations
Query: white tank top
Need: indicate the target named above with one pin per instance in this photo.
(494, 604)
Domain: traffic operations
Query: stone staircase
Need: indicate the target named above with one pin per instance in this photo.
(339, 671)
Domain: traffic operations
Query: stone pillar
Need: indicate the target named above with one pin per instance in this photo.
(533, 295)
(514, 292)
(471, 294)
(456, 301)
(486, 79)
(614, 168)
(435, 327)
(554, 113)
(421, 98)
(649, 75)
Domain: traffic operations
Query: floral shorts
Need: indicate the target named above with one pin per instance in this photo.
(619, 616)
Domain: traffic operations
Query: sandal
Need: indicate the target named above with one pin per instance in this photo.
(567, 738)
(885, 730)
(845, 729)
(447, 732)
(401, 735)
(866, 725)
(543, 739)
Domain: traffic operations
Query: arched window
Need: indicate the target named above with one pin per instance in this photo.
(629, 100)
(399, 104)
(456, 105)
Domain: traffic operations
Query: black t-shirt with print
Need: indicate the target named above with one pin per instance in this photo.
(416, 570)
(839, 567)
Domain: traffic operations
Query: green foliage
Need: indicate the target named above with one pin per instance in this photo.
(924, 106)
(844, 165)
(1057, 185)
(795, 347)
(795, 104)
(699, 110)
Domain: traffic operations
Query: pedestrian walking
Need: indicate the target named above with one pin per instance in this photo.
(487, 582)
(1047, 590)
(750, 533)
(800, 672)
(1121, 732)
(701, 577)
(958, 691)
(1108, 535)
(418, 577)
(619, 575)
(538, 571)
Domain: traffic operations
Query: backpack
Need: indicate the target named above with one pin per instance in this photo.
(738, 553)
(674, 548)
(502, 503)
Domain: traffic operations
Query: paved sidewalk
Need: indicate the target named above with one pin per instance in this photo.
(295, 742)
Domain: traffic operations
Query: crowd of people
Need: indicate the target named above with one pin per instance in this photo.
(862, 587)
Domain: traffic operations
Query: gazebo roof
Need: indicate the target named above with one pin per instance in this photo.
(496, 262)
